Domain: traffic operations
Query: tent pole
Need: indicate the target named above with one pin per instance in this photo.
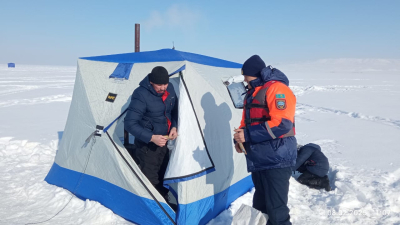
(141, 181)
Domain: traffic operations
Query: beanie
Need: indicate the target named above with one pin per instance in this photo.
(253, 66)
(159, 75)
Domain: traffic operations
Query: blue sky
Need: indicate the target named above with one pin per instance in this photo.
(51, 32)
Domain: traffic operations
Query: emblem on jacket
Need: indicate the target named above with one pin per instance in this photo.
(280, 104)
(111, 97)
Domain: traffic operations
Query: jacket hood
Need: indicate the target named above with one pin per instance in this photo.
(146, 84)
(269, 73)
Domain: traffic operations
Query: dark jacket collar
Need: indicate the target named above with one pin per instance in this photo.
(267, 74)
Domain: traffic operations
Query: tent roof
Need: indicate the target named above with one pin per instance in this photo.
(164, 55)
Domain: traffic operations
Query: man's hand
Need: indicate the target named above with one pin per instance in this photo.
(237, 147)
(239, 136)
(173, 134)
(159, 140)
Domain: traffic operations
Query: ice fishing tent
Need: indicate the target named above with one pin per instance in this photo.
(205, 173)
(11, 65)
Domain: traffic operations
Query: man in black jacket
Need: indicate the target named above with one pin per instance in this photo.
(313, 165)
(152, 118)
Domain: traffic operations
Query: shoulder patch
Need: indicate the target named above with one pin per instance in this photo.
(280, 104)
(280, 95)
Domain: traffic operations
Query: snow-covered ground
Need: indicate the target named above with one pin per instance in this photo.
(349, 107)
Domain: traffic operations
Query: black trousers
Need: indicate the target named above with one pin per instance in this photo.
(153, 162)
(271, 194)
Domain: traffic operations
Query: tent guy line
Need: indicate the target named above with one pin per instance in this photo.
(71, 193)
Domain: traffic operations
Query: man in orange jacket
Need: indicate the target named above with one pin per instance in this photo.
(267, 133)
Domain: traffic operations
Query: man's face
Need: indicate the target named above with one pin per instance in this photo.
(159, 88)
(247, 79)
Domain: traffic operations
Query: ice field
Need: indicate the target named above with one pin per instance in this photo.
(350, 107)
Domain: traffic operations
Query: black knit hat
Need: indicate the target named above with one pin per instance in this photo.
(253, 66)
(159, 75)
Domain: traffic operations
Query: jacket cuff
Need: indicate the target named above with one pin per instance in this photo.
(246, 135)
(174, 124)
(146, 136)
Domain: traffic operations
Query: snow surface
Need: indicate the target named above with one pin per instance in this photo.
(348, 106)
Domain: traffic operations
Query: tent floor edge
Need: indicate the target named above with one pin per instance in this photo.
(113, 197)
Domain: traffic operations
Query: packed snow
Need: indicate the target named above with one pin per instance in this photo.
(350, 107)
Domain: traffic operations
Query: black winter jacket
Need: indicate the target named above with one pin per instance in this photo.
(147, 113)
(312, 152)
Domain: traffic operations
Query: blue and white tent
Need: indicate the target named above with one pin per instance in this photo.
(204, 173)
(11, 65)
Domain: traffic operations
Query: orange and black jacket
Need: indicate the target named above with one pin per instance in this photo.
(268, 122)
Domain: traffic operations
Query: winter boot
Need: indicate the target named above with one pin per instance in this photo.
(319, 183)
(305, 177)
(325, 183)
(314, 181)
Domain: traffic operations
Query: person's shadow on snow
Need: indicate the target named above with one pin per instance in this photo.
(218, 136)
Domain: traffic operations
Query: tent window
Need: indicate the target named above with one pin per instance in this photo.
(122, 71)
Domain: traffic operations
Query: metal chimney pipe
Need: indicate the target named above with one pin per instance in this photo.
(137, 49)
(137, 37)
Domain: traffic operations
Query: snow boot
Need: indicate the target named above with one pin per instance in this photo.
(325, 183)
(314, 181)
(320, 182)
(305, 177)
